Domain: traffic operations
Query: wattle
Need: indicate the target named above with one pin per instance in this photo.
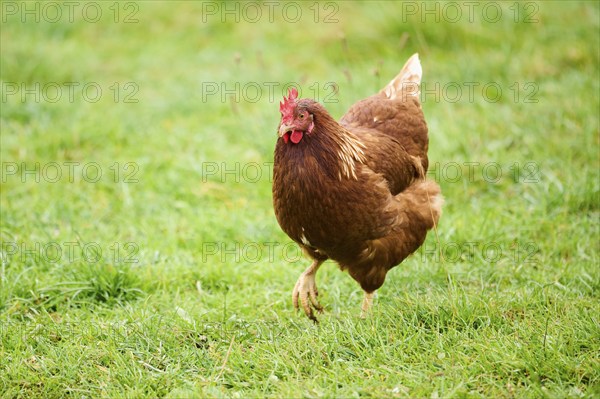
(296, 136)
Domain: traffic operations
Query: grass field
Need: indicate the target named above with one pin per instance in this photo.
(140, 253)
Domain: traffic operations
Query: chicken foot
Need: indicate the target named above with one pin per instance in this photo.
(306, 291)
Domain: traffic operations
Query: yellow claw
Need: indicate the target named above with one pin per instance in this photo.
(305, 291)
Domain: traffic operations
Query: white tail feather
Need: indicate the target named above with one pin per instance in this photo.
(407, 81)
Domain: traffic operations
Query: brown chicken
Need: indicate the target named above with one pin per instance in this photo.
(355, 191)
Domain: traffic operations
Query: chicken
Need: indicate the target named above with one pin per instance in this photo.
(355, 191)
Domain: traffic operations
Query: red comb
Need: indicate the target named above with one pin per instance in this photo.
(286, 107)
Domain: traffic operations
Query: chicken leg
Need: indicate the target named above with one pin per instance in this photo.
(366, 305)
(306, 291)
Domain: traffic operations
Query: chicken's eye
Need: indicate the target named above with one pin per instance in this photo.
(301, 116)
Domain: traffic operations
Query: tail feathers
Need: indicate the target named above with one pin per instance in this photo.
(407, 81)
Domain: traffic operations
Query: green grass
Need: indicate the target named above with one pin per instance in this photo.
(167, 278)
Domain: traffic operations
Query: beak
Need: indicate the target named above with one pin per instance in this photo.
(283, 129)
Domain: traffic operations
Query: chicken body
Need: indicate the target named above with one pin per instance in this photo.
(355, 191)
